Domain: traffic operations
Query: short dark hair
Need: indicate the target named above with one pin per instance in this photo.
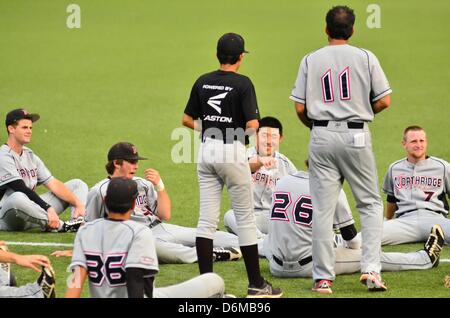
(121, 195)
(411, 128)
(340, 21)
(110, 165)
(271, 122)
(228, 59)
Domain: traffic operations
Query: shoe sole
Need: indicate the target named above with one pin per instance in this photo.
(372, 283)
(438, 229)
(322, 291)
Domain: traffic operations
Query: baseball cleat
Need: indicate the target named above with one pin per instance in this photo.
(47, 282)
(72, 225)
(265, 291)
(373, 281)
(433, 246)
(322, 286)
(226, 254)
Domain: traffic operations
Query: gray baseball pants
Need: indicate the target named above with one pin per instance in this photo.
(19, 213)
(222, 164)
(336, 153)
(176, 244)
(413, 227)
(348, 261)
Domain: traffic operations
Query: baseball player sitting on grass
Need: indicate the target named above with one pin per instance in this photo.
(44, 287)
(118, 255)
(174, 243)
(288, 247)
(415, 188)
(21, 171)
(267, 166)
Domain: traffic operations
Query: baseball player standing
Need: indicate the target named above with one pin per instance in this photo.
(118, 255)
(21, 171)
(174, 243)
(416, 187)
(224, 102)
(267, 165)
(338, 90)
(288, 245)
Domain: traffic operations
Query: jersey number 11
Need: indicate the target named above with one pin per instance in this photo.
(344, 85)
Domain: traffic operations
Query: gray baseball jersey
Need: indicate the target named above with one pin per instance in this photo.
(264, 180)
(174, 244)
(338, 84)
(290, 225)
(105, 248)
(419, 186)
(145, 210)
(27, 166)
(323, 83)
(290, 235)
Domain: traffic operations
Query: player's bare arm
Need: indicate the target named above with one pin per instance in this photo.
(192, 123)
(302, 114)
(53, 218)
(66, 253)
(76, 283)
(390, 210)
(381, 104)
(62, 192)
(29, 261)
(164, 204)
(251, 127)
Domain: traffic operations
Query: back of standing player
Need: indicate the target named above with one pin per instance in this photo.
(224, 102)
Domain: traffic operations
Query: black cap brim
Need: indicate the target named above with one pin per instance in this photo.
(32, 117)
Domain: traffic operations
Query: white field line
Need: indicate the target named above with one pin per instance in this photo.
(39, 244)
(444, 260)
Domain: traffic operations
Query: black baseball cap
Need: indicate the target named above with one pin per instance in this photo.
(125, 151)
(17, 114)
(231, 44)
(121, 194)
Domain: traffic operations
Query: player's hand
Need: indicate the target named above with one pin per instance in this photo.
(268, 162)
(2, 243)
(32, 261)
(66, 253)
(53, 219)
(79, 210)
(152, 175)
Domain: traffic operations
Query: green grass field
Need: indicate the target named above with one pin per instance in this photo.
(127, 72)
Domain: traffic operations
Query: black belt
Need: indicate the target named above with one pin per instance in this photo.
(302, 262)
(154, 223)
(350, 124)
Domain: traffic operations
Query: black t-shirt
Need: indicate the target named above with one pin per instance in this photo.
(225, 102)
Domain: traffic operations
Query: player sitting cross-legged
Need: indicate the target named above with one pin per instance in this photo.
(124, 255)
(174, 243)
(21, 171)
(416, 187)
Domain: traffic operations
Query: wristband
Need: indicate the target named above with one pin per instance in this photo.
(160, 185)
